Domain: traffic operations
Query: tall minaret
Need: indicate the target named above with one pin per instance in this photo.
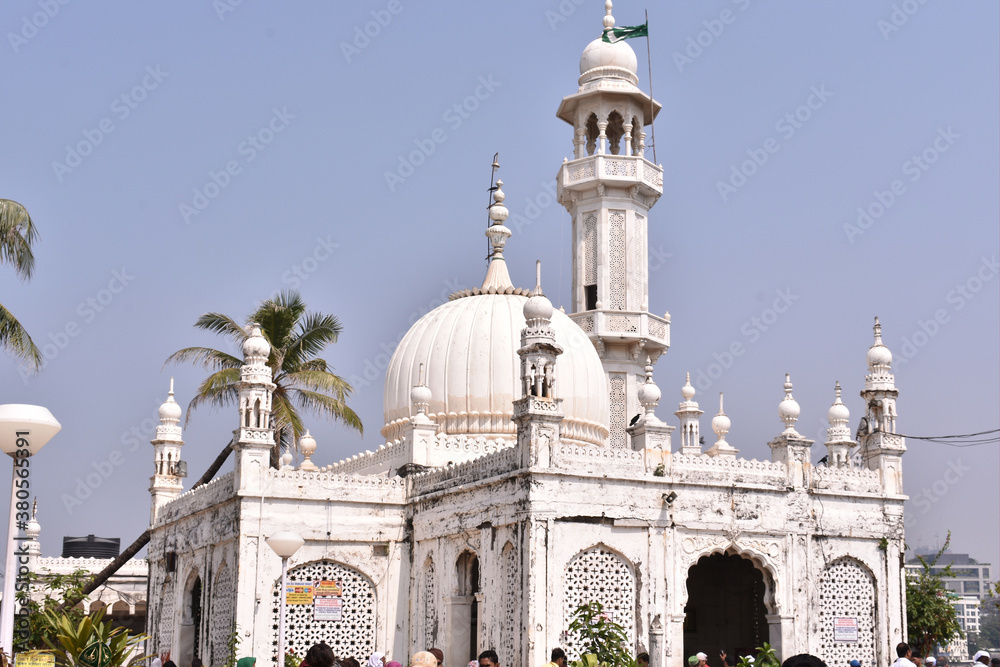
(608, 188)
(881, 448)
(255, 437)
(168, 470)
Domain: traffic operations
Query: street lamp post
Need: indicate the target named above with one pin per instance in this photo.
(285, 544)
(24, 429)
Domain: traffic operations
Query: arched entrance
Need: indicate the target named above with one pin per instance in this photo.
(464, 609)
(726, 608)
(189, 645)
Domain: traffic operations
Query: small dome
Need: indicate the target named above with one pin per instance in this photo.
(721, 424)
(838, 412)
(648, 393)
(538, 307)
(33, 528)
(603, 54)
(170, 410)
(879, 355)
(256, 345)
(687, 391)
(420, 395)
(307, 443)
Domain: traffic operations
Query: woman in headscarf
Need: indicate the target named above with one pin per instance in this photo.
(246, 662)
(377, 659)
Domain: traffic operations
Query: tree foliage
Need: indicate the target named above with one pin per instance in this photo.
(302, 379)
(931, 617)
(603, 642)
(17, 234)
(57, 587)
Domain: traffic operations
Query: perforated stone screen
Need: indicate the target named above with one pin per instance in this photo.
(430, 607)
(598, 575)
(221, 622)
(513, 595)
(353, 636)
(616, 260)
(847, 590)
(166, 625)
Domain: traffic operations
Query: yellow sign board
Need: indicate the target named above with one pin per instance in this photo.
(299, 592)
(35, 660)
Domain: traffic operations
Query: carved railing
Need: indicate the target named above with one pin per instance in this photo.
(850, 480)
(727, 469)
(484, 467)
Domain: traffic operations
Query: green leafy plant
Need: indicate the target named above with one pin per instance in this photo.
(67, 638)
(232, 648)
(660, 471)
(292, 660)
(931, 617)
(57, 587)
(603, 642)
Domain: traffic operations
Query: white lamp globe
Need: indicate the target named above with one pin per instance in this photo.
(35, 419)
(285, 543)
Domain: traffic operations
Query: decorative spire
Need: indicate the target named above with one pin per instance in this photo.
(649, 393)
(609, 20)
(721, 424)
(307, 445)
(497, 278)
(689, 414)
(170, 416)
(687, 391)
(879, 363)
(788, 409)
(420, 396)
(838, 415)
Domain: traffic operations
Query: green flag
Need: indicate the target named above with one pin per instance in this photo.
(612, 35)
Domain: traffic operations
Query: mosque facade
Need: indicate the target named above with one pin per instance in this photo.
(525, 470)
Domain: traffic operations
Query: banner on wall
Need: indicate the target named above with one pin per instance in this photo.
(299, 592)
(329, 589)
(328, 609)
(845, 630)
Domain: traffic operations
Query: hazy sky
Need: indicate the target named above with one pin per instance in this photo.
(180, 158)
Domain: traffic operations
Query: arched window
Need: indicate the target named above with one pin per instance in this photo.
(600, 575)
(847, 591)
(348, 626)
(592, 133)
(615, 132)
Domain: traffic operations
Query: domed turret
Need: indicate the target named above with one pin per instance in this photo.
(602, 59)
(256, 346)
(170, 411)
(788, 409)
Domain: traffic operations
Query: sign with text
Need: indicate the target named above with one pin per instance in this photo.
(328, 609)
(299, 592)
(34, 660)
(845, 630)
(329, 589)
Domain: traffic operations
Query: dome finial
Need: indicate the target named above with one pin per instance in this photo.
(538, 278)
(687, 391)
(878, 331)
(721, 425)
(649, 393)
(609, 20)
(788, 409)
(497, 278)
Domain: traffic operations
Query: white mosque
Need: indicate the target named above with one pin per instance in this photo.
(514, 483)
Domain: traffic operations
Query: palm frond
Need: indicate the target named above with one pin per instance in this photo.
(327, 406)
(205, 357)
(217, 390)
(222, 324)
(15, 339)
(17, 233)
(316, 331)
(319, 381)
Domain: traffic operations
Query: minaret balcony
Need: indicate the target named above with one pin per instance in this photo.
(611, 170)
(625, 326)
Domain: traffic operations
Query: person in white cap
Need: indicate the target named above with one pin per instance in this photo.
(703, 659)
(930, 661)
(981, 656)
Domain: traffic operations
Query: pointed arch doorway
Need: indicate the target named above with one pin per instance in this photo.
(726, 607)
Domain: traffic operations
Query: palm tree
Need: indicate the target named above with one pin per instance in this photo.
(302, 380)
(17, 233)
(296, 337)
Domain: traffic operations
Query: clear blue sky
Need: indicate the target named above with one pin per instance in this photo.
(119, 114)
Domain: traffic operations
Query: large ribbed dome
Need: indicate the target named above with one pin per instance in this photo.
(468, 348)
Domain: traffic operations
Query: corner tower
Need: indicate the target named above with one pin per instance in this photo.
(608, 188)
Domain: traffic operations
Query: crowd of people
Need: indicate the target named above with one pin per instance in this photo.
(321, 655)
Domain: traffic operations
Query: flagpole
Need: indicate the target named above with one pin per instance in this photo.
(649, 67)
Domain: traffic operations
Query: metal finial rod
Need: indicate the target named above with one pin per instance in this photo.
(489, 202)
